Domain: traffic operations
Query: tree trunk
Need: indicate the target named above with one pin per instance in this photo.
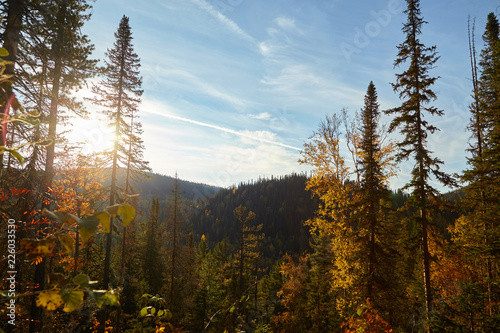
(15, 10)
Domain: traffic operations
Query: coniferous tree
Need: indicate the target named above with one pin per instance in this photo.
(153, 265)
(247, 246)
(373, 189)
(119, 94)
(54, 52)
(414, 88)
(477, 232)
(377, 227)
(175, 233)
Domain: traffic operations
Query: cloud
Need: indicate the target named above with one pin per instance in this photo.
(228, 23)
(288, 24)
(261, 116)
(238, 162)
(259, 136)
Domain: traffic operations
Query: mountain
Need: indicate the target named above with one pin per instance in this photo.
(161, 185)
(281, 204)
(157, 185)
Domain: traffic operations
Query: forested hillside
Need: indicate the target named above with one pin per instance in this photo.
(94, 241)
(281, 205)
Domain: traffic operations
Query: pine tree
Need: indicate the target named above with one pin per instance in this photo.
(372, 186)
(119, 94)
(56, 54)
(478, 231)
(175, 226)
(247, 246)
(153, 264)
(377, 228)
(414, 88)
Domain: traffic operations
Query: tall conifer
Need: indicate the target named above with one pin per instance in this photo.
(414, 88)
(119, 94)
(374, 191)
(478, 231)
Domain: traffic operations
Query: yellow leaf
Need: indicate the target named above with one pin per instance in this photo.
(49, 300)
(105, 220)
(127, 213)
(113, 210)
(37, 247)
(67, 242)
(72, 299)
(87, 227)
(66, 217)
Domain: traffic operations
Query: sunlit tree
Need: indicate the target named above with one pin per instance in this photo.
(119, 96)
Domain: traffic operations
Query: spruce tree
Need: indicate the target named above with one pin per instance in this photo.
(478, 231)
(414, 88)
(249, 237)
(153, 265)
(119, 94)
(174, 227)
(373, 186)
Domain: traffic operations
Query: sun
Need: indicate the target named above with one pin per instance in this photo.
(92, 134)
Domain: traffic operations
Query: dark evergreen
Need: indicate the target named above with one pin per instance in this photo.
(414, 87)
(282, 205)
(153, 264)
(373, 189)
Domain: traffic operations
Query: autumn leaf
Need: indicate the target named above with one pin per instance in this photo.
(58, 280)
(36, 247)
(127, 213)
(87, 227)
(105, 220)
(67, 242)
(82, 280)
(49, 300)
(104, 298)
(72, 299)
(113, 210)
(61, 216)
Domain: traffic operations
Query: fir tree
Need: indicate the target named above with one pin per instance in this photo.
(373, 188)
(247, 246)
(152, 255)
(377, 228)
(414, 88)
(119, 94)
(478, 231)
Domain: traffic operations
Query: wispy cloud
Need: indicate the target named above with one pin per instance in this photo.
(230, 24)
(201, 86)
(254, 136)
(261, 116)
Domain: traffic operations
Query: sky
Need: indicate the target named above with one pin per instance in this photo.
(234, 88)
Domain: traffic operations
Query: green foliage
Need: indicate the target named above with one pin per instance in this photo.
(282, 204)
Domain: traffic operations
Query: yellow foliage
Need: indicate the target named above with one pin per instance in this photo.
(49, 300)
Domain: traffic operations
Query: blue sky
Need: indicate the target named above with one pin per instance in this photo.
(233, 88)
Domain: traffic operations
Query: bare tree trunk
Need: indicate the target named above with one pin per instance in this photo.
(15, 11)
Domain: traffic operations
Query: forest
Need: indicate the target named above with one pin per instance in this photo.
(98, 242)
